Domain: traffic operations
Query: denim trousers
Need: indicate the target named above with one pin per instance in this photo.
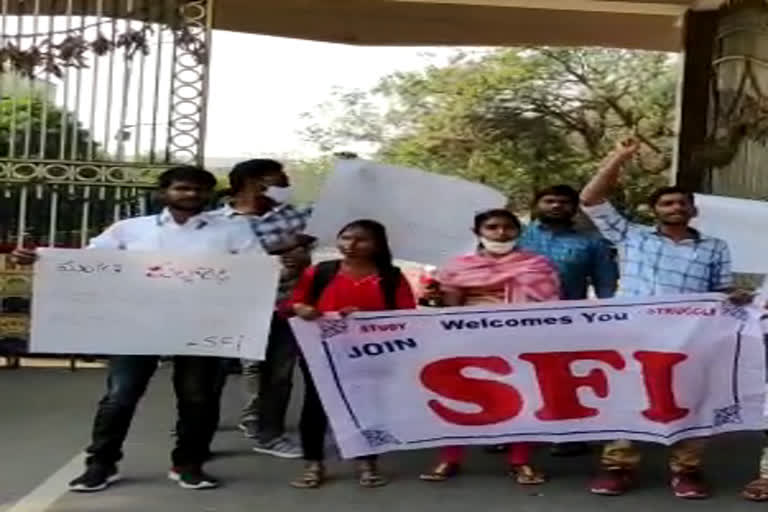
(195, 384)
(269, 383)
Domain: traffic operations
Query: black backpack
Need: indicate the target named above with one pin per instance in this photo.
(327, 270)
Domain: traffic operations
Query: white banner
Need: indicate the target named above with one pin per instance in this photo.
(659, 370)
(107, 302)
(417, 207)
(736, 221)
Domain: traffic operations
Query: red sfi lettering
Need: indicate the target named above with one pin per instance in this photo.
(558, 385)
(658, 368)
(499, 402)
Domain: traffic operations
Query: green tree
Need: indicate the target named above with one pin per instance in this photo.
(516, 119)
(29, 122)
(307, 177)
(23, 120)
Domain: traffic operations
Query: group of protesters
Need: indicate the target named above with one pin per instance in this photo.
(550, 258)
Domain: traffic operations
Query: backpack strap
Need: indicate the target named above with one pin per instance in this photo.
(324, 273)
(390, 282)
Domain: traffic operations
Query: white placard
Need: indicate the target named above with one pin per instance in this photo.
(652, 369)
(428, 216)
(741, 223)
(107, 302)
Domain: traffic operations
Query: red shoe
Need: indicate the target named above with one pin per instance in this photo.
(614, 482)
(690, 486)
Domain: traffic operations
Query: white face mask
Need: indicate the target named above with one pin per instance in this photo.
(498, 247)
(279, 194)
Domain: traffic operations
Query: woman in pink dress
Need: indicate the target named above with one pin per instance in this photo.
(498, 273)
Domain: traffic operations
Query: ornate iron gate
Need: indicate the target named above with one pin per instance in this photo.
(96, 98)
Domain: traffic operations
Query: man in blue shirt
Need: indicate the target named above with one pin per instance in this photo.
(582, 258)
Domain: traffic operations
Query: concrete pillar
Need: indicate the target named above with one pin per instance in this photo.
(694, 94)
(724, 107)
(739, 111)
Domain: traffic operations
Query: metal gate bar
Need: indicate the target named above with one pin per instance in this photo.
(115, 94)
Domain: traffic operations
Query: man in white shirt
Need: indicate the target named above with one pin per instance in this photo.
(182, 225)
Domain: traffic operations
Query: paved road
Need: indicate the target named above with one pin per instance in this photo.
(45, 419)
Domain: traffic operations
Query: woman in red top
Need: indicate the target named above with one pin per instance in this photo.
(359, 285)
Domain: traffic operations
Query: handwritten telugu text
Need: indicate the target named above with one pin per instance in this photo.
(169, 270)
(89, 268)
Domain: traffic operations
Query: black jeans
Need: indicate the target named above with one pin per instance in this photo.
(313, 425)
(220, 382)
(194, 380)
(275, 379)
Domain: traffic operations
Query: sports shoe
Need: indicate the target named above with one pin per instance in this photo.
(95, 478)
(192, 477)
(613, 482)
(281, 446)
(249, 428)
(690, 485)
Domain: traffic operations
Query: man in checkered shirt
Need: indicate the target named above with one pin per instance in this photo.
(260, 192)
(669, 258)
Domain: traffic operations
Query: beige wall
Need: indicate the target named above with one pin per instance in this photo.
(642, 24)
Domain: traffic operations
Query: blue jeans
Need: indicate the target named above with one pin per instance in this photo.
(195, 384)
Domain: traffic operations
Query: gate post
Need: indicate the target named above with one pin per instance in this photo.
(189, 87)
(85, 143)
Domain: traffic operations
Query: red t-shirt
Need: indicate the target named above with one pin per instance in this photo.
(345, 291)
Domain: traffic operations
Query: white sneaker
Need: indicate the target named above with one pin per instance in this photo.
(282, 446)
(192, 477)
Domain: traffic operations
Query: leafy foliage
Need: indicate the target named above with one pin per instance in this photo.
(58, 50)
(307, 177)
(516, 119)
(23, 121)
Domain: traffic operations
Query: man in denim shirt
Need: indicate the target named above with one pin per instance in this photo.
(582, 258)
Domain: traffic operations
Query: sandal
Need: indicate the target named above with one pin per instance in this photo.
(756, 490)
(312, 478)
(370, 476)
(524, 474)
(441, 473)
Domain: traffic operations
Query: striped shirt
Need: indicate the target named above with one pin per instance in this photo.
(273, 229)
(653, 264)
